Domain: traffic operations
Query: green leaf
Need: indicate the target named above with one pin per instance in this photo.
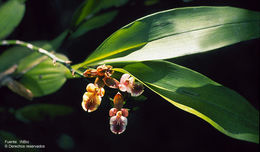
(11, 14)
(177, 32)
(190, 91)
(41, 112)
(151, 2)
(113, 3)
(37, 72)
(57, 42)
(93, 23)
(45, 78)
(87, 8)
(8, 59)
(90, 7)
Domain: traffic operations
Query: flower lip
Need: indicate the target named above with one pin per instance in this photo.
(118, 124)
(90, 101)
(137, 89)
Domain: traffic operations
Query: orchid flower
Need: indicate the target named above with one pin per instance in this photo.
(92, 98)
(128, 84)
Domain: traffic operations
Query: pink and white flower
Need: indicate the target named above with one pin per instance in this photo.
(128, 84)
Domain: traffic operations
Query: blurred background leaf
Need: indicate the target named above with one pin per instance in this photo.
(65, 142)
(89, 7)
(93, 23)
(11, 14)
(42, 112)
(151, 2)
(8, 136)
(190, 91)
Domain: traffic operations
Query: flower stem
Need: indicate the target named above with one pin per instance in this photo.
(55, 59)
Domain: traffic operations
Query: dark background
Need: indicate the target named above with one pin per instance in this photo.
(156, 125)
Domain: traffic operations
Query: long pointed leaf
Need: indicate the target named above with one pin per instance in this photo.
(177, 32)
(190, 91)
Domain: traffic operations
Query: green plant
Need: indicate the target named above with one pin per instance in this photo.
(141, 49)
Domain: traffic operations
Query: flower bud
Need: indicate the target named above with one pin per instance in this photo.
(118, 101)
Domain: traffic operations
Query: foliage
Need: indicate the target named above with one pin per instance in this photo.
(140, 49)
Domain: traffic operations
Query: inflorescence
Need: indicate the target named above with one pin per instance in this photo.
(92, 98)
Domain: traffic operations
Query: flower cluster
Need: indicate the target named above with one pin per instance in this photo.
(92, 98)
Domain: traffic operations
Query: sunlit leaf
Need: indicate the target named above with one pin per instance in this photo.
(177, 32)
(41, 112)
(11, 14)
(190, 91)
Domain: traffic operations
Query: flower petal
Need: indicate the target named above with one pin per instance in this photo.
(124, 77)
(124, 112)
(137, 89)
(112, 112)
(91, 87)
(122, 87)
(101, 92)
(90, 73)
(104, 70)
(99, 82)
(111, 82)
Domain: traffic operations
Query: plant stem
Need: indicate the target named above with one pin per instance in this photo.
(42, 51)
